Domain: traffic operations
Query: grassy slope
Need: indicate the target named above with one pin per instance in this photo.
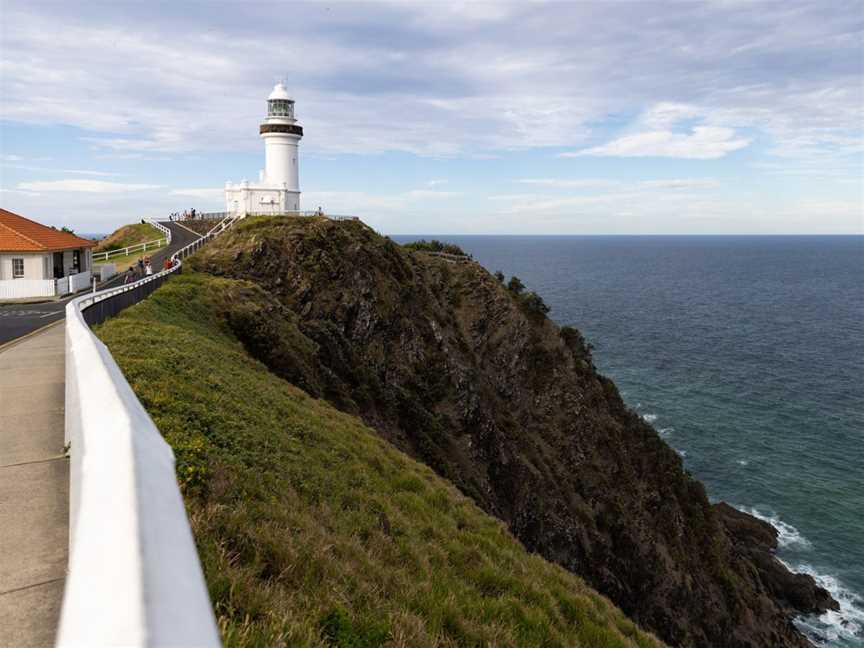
(122, 263)
(129, 235)
(313, 530)
(201, 226)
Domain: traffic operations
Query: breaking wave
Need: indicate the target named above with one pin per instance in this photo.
(787, 535)
(838, 627)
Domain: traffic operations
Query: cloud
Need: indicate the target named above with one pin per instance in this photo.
(84, 186)
(209, 193)
(438, 81)
(362, 203)
(572, 183)
(73, 171)
(18, 191)
(499, 82)
(681, 183)
(703, 143)
(615, 184)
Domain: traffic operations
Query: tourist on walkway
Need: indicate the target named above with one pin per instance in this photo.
(166, 265)
(130, 276)
(148, 269)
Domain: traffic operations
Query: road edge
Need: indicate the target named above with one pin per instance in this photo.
(8, 345)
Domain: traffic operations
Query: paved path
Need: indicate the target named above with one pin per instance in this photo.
(19, 319)
(34, 473)
(34, 489)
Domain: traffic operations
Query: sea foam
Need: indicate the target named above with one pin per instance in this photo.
(837, 627)
(787, 535)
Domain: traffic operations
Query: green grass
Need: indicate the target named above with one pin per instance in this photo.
(122, 262)
(312, 530)
(129, 235)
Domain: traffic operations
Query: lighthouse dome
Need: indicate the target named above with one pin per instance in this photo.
(279, 92)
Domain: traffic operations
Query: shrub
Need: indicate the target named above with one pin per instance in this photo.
(434, 246)
(533, 304)
(575, 341)
(499, 276)
(515, 285)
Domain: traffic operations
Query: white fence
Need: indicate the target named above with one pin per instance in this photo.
(105, 271)
(21, 288)
(79, 281)
(305, 214)
(72, 283)
(134, 576)
(161, 228)
(138, 247)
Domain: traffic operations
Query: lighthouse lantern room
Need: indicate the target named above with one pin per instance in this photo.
(278, 188)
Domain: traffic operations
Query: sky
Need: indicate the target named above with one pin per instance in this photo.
(434, 118)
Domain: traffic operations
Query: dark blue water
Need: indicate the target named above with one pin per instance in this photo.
(747, 355)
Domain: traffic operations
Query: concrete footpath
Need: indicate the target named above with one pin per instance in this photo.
(34, 489)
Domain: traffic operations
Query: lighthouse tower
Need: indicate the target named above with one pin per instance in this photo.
(278, 188)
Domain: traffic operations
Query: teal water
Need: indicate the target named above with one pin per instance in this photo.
(747, 356)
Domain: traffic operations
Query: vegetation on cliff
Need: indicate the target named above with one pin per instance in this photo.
(312, 529)
(460, 371)
(464, 372)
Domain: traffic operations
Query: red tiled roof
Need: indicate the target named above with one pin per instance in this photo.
(19, 234)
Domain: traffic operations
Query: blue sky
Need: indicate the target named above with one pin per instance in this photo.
(489, 117)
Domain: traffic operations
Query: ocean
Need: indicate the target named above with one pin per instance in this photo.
(746, 353)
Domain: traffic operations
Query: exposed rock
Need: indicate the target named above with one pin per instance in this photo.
(757, 540)
(475, 381)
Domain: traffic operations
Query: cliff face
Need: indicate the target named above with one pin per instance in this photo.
(447, 364)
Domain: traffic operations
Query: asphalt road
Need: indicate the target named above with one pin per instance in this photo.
(19, 319)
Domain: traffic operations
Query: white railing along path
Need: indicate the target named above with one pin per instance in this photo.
(134, 576)
(131, 249)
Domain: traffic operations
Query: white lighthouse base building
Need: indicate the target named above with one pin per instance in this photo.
(278, 188)
(245, 198)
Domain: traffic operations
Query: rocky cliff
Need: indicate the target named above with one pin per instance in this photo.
(470, 377)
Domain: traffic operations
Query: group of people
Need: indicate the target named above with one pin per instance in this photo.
(187, 214)
(143, 268)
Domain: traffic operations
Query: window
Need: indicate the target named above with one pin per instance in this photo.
(17, 268)
(76, 260)
(280, 108)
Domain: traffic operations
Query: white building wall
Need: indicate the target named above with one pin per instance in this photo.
(248, 198)
(280, 161)
(34, 265)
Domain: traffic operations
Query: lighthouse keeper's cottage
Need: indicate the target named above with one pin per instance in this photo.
(40, 261)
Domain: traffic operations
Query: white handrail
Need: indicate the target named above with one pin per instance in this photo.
(166, 231)
(134, 576)
(129, 249)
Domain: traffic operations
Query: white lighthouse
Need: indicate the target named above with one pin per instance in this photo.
(278, 188)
